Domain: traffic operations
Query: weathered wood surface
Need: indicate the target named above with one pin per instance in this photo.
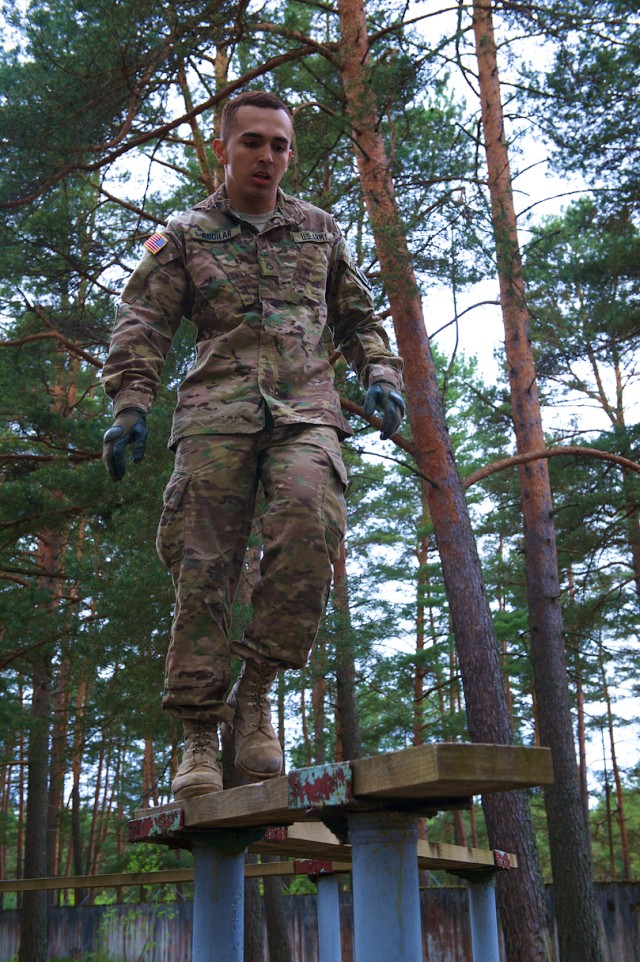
(169, 876)
(313, 840)
(427, 777)
(450, 770)
(313, 849)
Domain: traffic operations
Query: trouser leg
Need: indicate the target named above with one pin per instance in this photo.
(303, 477)
(202, 538)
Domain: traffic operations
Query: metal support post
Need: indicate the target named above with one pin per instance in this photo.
(218, 904)
(386, 899)
(329, 947)
(485, 945)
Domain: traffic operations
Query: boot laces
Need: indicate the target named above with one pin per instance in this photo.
(259, 692)
(202, 737)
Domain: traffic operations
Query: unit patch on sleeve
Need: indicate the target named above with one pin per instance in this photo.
(156, 242)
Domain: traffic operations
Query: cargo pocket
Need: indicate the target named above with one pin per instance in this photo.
(334, 507)
(170, 536)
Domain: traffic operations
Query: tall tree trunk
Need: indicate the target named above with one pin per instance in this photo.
(507, 815)
(633, 521)
(318, 670)
(620, 813)
(580, 711)
(422, 554)
(34, 915)
(253, 916)
(149, 775)
(57, 767)
(76, 771)
(578, 934)
(351, 743)
(276, 917)
(91, 845)
(22, 767)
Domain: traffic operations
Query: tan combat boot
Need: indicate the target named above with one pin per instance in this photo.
(200, 771)
(258, 751)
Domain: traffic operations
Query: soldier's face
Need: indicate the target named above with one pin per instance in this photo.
(255, 157)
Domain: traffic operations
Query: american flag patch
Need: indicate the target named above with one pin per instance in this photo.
(156, 242)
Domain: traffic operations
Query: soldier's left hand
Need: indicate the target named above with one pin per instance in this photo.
(389, 402)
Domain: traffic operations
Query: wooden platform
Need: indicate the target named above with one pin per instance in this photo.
(361, 815)
(425, 779)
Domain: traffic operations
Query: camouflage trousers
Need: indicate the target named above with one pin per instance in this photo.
(203, 533)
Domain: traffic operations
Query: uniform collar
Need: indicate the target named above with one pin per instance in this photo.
(289, 210)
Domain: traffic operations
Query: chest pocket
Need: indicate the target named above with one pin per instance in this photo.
(309, 278)
(222, 264)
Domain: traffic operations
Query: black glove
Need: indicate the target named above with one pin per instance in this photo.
(386, 399)
(129, 427)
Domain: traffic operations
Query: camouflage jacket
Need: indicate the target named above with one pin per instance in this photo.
(267, 308)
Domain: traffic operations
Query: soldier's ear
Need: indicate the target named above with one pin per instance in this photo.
(220, 151)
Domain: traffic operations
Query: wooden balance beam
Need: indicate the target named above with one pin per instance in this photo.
(371, 808)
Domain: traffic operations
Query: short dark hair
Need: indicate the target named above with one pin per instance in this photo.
(248, 98)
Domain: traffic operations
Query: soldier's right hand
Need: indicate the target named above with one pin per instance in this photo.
(129, 427)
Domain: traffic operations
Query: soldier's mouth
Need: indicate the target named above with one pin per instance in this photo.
(263, 176)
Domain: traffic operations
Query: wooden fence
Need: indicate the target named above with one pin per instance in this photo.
(148, 932)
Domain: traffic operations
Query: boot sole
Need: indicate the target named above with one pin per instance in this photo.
(258, 776)
(194, 790)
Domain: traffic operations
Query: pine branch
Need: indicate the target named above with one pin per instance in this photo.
(527, 457)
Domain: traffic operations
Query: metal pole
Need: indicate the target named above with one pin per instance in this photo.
(329, 948)
(218, 905)
(485, 946)
(386, 899)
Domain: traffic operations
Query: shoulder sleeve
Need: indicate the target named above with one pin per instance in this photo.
(153, 302)
(357, 330)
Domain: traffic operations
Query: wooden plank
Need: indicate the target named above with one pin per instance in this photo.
(302, 840)
(314, 840)
(165, 876)
(450, 770)
(157, 810)
(315, 849)
(249, 806)
(426, 777)
(117, 879)
(437, 775)
(440, 855)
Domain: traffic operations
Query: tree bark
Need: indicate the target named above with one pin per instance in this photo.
(422, 554)
(276, 917)
(253, 916)
(347, 711)
(318, 666)
(578, 934)
(507, 815)
(57, 765)
(34, 916)
(620, 813)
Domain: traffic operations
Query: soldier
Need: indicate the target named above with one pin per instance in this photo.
(270, 285)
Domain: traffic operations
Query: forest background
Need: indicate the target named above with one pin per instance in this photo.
(107, 113)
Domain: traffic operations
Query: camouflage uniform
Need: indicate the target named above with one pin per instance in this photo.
(258, 405)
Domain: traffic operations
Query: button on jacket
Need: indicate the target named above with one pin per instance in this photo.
(268, 308)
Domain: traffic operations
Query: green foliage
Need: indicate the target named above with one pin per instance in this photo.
(592, 89)
(83, 123)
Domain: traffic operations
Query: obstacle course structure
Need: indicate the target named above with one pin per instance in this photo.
(361, 815)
